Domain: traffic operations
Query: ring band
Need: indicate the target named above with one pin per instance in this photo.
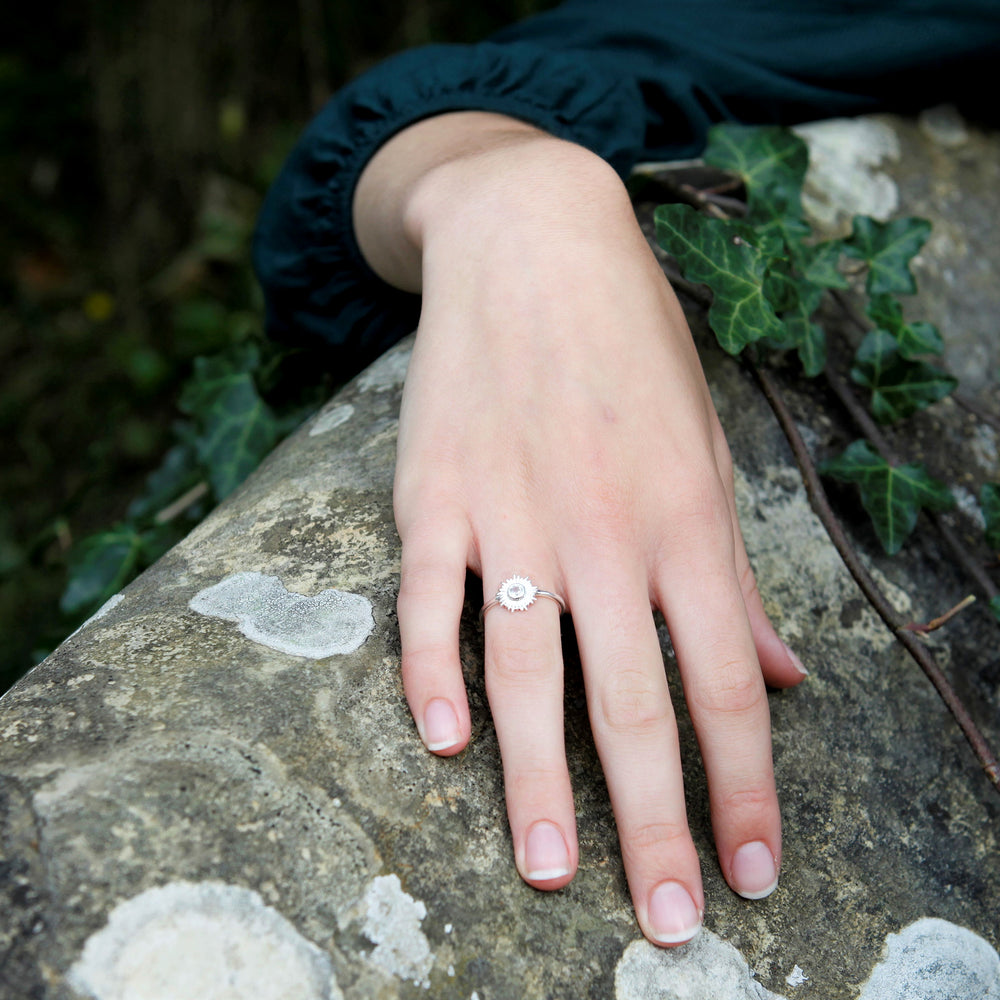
(518, 593)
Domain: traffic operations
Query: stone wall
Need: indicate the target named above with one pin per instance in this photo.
(214, 788)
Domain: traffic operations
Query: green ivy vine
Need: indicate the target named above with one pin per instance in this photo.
(769, 276)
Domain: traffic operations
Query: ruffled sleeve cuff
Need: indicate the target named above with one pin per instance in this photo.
(318, 287)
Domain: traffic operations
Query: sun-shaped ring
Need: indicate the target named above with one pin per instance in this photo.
(518, 593)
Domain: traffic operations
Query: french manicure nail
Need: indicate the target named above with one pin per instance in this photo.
(545, 853)
(440, 729)
(796, 662)
(754, 873)
(673, 917)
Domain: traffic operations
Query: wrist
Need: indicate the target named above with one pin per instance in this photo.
(465, 175)
(530, 194)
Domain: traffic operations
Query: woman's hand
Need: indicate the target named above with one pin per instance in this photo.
(556, 424)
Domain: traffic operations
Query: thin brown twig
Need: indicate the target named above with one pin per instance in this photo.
(182, 503)
(923, 628)
(712, 197)
(881, 604)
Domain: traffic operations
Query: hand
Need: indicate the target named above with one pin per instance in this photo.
(556, 423)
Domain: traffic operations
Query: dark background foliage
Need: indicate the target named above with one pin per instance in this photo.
(136, 140)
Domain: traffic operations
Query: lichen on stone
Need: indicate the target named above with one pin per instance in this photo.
(705, 969)
(392, 924)
(330, 418)
(932, 959)
(928, 960)
(207, 940)
(329, 623)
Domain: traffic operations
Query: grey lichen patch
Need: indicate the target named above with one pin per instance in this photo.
(928, 960)
(931, 959)
(330, 418)
(208, 940)
(392, 924)
(845, 176)
(705, 969)
(388, 372)
(330, 623)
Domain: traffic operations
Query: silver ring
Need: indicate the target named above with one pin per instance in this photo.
(518, 593)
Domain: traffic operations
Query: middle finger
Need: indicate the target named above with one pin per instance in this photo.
(636, 736)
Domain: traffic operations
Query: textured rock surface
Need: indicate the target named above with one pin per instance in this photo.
(264, 819)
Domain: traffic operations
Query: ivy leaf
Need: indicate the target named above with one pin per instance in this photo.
(888, 248)
(772, 162)
(818, 263)
(101, 566)
(913, 338)
(785, 233)
(808, 337)
(723, 256)
(236, 427)
(781, 289)
(795, 301)
(995, 608)
(892, 495)
(899, 387)
(239, 431)
(989, 499)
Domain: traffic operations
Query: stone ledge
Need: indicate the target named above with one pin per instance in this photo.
(207, 785)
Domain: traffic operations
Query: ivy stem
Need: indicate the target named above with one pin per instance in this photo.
(878, 600)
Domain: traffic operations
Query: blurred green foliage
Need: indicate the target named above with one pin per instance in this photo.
(136, 141)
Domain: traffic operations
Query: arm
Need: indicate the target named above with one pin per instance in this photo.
(630, 80)
(555, 418)
(556, 423)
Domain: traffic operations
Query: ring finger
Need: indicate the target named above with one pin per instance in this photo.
(524, 683)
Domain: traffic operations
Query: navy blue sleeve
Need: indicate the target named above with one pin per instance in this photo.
(317, 285)
(630, 80)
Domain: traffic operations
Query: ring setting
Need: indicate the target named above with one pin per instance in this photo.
(518, 593)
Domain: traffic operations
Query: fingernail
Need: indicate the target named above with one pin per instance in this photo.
(755, 873)
(440, 729)
(545, 853)
(673, 916)
(796, 662)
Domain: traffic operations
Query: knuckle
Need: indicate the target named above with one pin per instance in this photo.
(630, 701)
(663, 838)
(422, 581)
(426, 659)
(731, 690)
(534, 786)
(427, 665)
(700, 512)
(423, 511)
(514, 664)
(746, 804)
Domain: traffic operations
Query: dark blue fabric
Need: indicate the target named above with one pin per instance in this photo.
(630, 80)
